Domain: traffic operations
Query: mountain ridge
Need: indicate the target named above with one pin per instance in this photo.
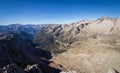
(88, 46)
(68, 34)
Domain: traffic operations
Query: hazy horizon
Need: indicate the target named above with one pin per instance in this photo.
(55, 11)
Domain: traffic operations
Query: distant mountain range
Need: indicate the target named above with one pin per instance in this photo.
(27, 31)
(29, 28)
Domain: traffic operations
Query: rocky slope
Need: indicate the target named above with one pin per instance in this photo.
(88, 46)
(20, 56)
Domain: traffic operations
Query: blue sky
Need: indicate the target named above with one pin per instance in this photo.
(55, 11)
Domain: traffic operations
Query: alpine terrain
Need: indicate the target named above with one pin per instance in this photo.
(87, 46)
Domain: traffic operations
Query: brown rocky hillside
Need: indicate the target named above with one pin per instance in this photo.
(88, 46)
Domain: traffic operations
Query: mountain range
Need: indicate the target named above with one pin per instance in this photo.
(87, 46)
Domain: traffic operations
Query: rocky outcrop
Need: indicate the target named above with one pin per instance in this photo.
(33, 69)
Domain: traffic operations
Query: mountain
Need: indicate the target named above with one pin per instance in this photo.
(87, 46)
(70, 34)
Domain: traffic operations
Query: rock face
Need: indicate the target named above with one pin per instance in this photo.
(88, 46)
